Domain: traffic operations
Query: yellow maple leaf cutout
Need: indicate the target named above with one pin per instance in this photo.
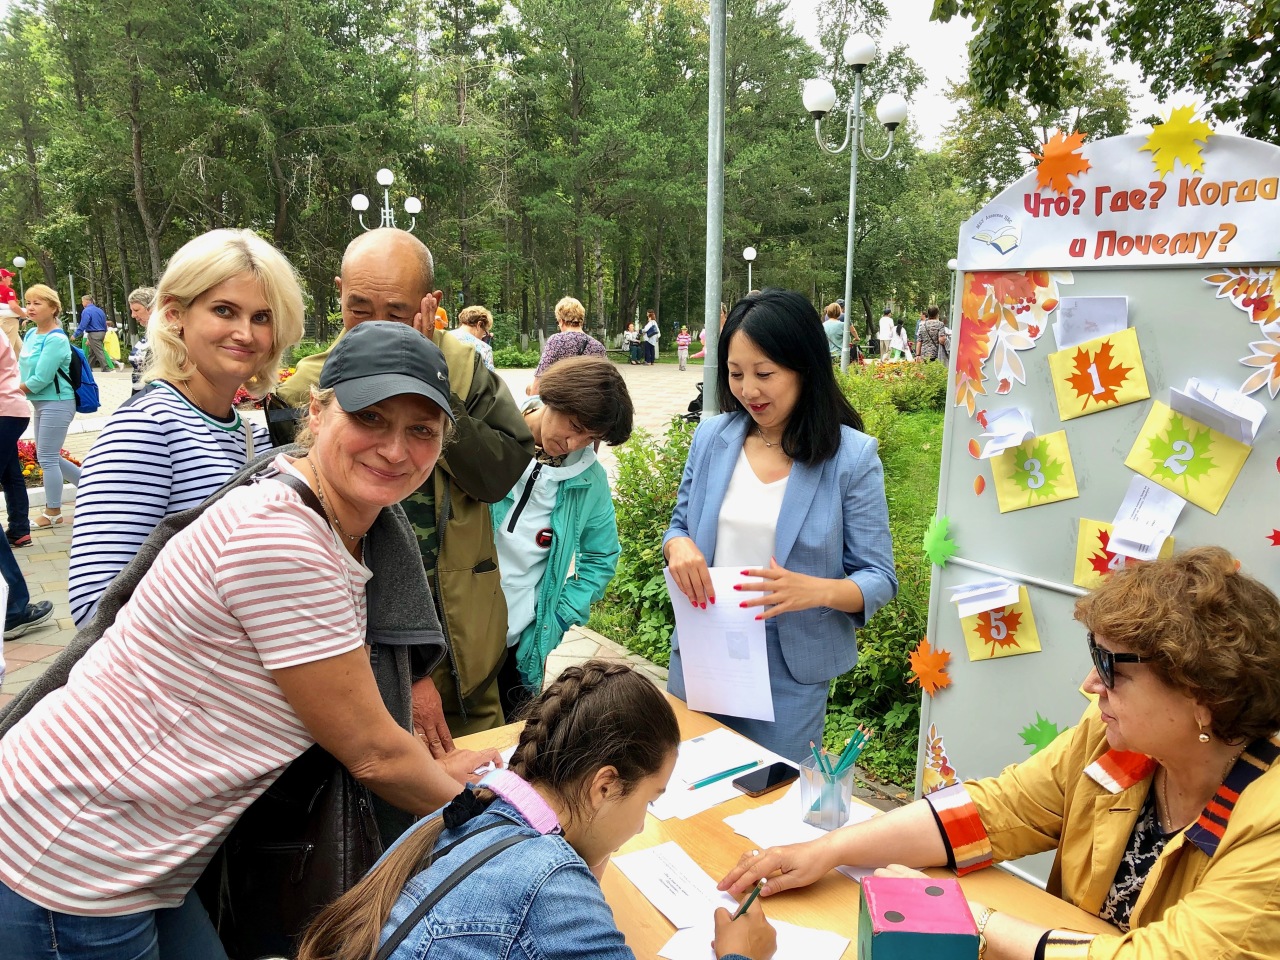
(1060, 160)
(1178, 138)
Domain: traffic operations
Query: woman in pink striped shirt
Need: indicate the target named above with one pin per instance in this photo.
(242, 646)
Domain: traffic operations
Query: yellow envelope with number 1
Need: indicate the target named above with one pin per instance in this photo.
(1098, 374)
(1185, 456)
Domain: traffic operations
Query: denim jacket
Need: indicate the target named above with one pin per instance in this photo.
(536, 901)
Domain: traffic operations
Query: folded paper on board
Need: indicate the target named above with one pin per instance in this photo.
(1086, 318)
(1098, 375)
(1003, 632)
(1187, 457)
(1035, 473)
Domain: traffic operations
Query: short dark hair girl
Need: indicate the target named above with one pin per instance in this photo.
(786, 326)
(592, 392)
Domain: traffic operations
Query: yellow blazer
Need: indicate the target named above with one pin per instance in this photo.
(1214, 893)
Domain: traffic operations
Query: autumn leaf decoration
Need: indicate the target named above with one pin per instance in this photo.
(1182, 453)
(1178, 139)
(1104, 561)
(1266, 356)
(938, 545)
(999, 628)
(1110, 376)
(1040, 734)
(929, 668)
(1059, 160)
(1036, 470)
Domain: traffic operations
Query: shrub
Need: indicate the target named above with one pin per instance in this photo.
(512, 357)
(648, 481)
(505, 331)
(910, 387)
(303, 348)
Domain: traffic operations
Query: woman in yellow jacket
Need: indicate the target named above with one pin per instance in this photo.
(1161, 804)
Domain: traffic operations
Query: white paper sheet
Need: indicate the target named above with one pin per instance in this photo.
(680, 889)
(701, 757)
(1078, 319)
(1145, 518)
(694, 943)
(983, 595)
(782, 822)
(722, 650)
(1224, 409)
(1006, 428)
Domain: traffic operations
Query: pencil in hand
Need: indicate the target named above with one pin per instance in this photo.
(751, 898)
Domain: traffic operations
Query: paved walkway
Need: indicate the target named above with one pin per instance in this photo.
(659, 392)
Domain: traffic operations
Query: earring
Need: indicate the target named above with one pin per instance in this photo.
(1204, 737)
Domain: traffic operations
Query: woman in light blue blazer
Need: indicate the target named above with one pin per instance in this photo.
(786, 487)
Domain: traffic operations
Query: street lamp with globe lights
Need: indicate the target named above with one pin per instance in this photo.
(18, 264)
(412, 205)
(749, 255)
(819, 100)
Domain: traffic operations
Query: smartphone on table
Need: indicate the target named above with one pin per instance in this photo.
(766, 779)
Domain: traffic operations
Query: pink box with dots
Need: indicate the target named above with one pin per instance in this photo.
(902, 918)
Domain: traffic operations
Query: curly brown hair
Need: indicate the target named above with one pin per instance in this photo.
(1209, 629)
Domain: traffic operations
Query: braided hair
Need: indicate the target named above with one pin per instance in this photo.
(597, 714)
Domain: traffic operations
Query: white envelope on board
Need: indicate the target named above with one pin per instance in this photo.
(984, 595)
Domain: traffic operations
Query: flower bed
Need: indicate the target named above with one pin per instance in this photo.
(31, 472)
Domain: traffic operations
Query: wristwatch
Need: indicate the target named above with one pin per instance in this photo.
(983, 919)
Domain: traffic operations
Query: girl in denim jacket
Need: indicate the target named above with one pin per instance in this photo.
(598, 745)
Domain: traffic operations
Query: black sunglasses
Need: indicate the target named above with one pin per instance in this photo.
(1105, 661)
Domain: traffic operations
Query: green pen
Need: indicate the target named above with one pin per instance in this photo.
(751, 898)
(724, 774)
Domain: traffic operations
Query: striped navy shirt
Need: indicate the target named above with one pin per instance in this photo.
(157, 455)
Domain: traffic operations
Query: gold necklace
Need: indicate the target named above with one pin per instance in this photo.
(324, 504)
(765, 440)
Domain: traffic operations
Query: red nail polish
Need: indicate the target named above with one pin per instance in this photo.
(746, 573)
(760, 616)
(743, 603)
(703, 605)
(713, 599)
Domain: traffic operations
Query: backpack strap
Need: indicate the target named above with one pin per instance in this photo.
(422, 909)
(298, 485)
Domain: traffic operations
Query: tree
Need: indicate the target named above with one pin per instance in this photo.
(992, 146)
(1228, 53)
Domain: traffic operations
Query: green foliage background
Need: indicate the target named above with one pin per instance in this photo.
(901, 406)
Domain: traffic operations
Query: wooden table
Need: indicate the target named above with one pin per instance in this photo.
(829, 904)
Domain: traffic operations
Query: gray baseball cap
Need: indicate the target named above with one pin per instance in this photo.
(378, 359)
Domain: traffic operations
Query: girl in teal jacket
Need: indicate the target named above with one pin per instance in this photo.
(559, 512)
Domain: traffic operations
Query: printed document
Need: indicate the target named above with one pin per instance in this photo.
(677, 887)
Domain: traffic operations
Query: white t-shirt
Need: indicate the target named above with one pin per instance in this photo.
(748, 524)
(116, 789)
(886, 328)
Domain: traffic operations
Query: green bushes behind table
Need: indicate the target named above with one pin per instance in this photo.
(901, 406)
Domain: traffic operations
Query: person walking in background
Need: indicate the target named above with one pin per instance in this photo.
(14, 417)
(569, 342)
(20, 614)
(652, 333)
(933, 336)
(93, 323)
(631, 341)
(785, 487)
(474, 324)
(683, 339)
(899, 346)
(11, 312)
(228, 306)
(141, 303)
(885, 333)
(45, 368)
(833, 327)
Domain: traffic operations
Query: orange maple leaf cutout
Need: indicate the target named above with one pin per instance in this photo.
(930, 667)
(999, 627)
(1060, 160)
(1097, 377)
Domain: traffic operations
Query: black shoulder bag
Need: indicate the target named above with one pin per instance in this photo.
(306, 841)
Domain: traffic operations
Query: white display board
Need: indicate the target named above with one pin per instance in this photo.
(1196, 297)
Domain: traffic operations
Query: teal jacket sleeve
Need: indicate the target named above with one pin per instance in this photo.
(596, 558)
(55, 355)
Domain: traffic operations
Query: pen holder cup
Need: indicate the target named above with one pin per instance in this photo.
(824, 799)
